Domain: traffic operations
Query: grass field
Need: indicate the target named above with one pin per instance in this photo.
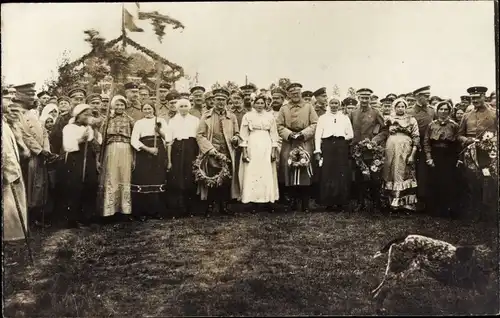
(284, 264)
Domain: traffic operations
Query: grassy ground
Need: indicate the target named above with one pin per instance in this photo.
(285, 264)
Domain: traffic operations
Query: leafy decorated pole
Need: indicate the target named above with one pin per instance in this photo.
(159, 71)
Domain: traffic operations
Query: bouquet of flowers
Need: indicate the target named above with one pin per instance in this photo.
(489, 143)
(368, 149)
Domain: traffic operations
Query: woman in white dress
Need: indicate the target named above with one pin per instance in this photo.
(257, 173)
(151, 139)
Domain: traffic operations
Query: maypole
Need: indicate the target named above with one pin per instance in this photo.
(124, 32)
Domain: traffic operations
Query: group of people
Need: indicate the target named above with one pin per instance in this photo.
(132, 155)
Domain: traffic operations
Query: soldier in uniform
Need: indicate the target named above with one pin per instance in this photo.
(218, 132)
(367, 122)
(410, 98)
(296, 124)
(197, 94)
(144, 93)
(237, 108)
(277, 99)
(424, 115)
(481, 197)
(133, 104)
(209, 101)
(321, 101)
(391, 96)
(307, 96)
(248, 90)
(386, 107)
(169, 110)
(349, 105)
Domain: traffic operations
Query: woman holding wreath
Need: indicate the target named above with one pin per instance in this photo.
(217, 137)
(151, 139)
(398, 174)
(259, 180)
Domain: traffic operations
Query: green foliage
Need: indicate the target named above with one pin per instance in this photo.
(351, 92)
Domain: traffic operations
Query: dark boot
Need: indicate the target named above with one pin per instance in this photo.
(305, 204)
(224, 209)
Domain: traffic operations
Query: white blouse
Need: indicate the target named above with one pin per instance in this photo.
(337, 125)
(72, 133)
(146, 127)
(183, 127)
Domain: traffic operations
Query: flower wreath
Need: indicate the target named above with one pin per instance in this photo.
(488, 143)
(199, 166)
(369, 148)
(298, 158)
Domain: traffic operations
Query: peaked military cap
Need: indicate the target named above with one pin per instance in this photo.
(349, 101)
(293, 85)
(319, 92)
(426, 90)
(131, 85)
(477, 90)
(197, 88)
(307, 94)
(364, 92)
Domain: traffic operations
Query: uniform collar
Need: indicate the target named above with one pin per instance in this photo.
(211, 111)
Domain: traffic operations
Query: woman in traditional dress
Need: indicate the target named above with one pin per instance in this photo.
(78, 175)
(333, 132)
(181, 182)
(150, 138)
(401, 131)
(258, 175)
(441, 150)
(116, 168)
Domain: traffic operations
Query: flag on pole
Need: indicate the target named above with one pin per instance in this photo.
(129, 18)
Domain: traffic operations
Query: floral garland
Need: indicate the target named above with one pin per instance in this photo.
(368, 148)
(211, 181)
(298, 158)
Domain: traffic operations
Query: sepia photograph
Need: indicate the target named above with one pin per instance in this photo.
(260, 158)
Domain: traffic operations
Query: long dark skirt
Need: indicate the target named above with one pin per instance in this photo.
(78, 198)
(443, 179)
(336, 177)
(180, 180)
(149, 180)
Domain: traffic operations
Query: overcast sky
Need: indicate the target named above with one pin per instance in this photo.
(386, 46)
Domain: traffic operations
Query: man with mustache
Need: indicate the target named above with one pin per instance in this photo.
(480, 193)
(197, 96)
(307, 96)
(424, 114)
(248, 90)
(321, 101)
(296, 124)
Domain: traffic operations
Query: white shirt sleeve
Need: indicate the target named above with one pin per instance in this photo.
(165, 129)
(136, 135)
(349, 133)
(318, 134)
